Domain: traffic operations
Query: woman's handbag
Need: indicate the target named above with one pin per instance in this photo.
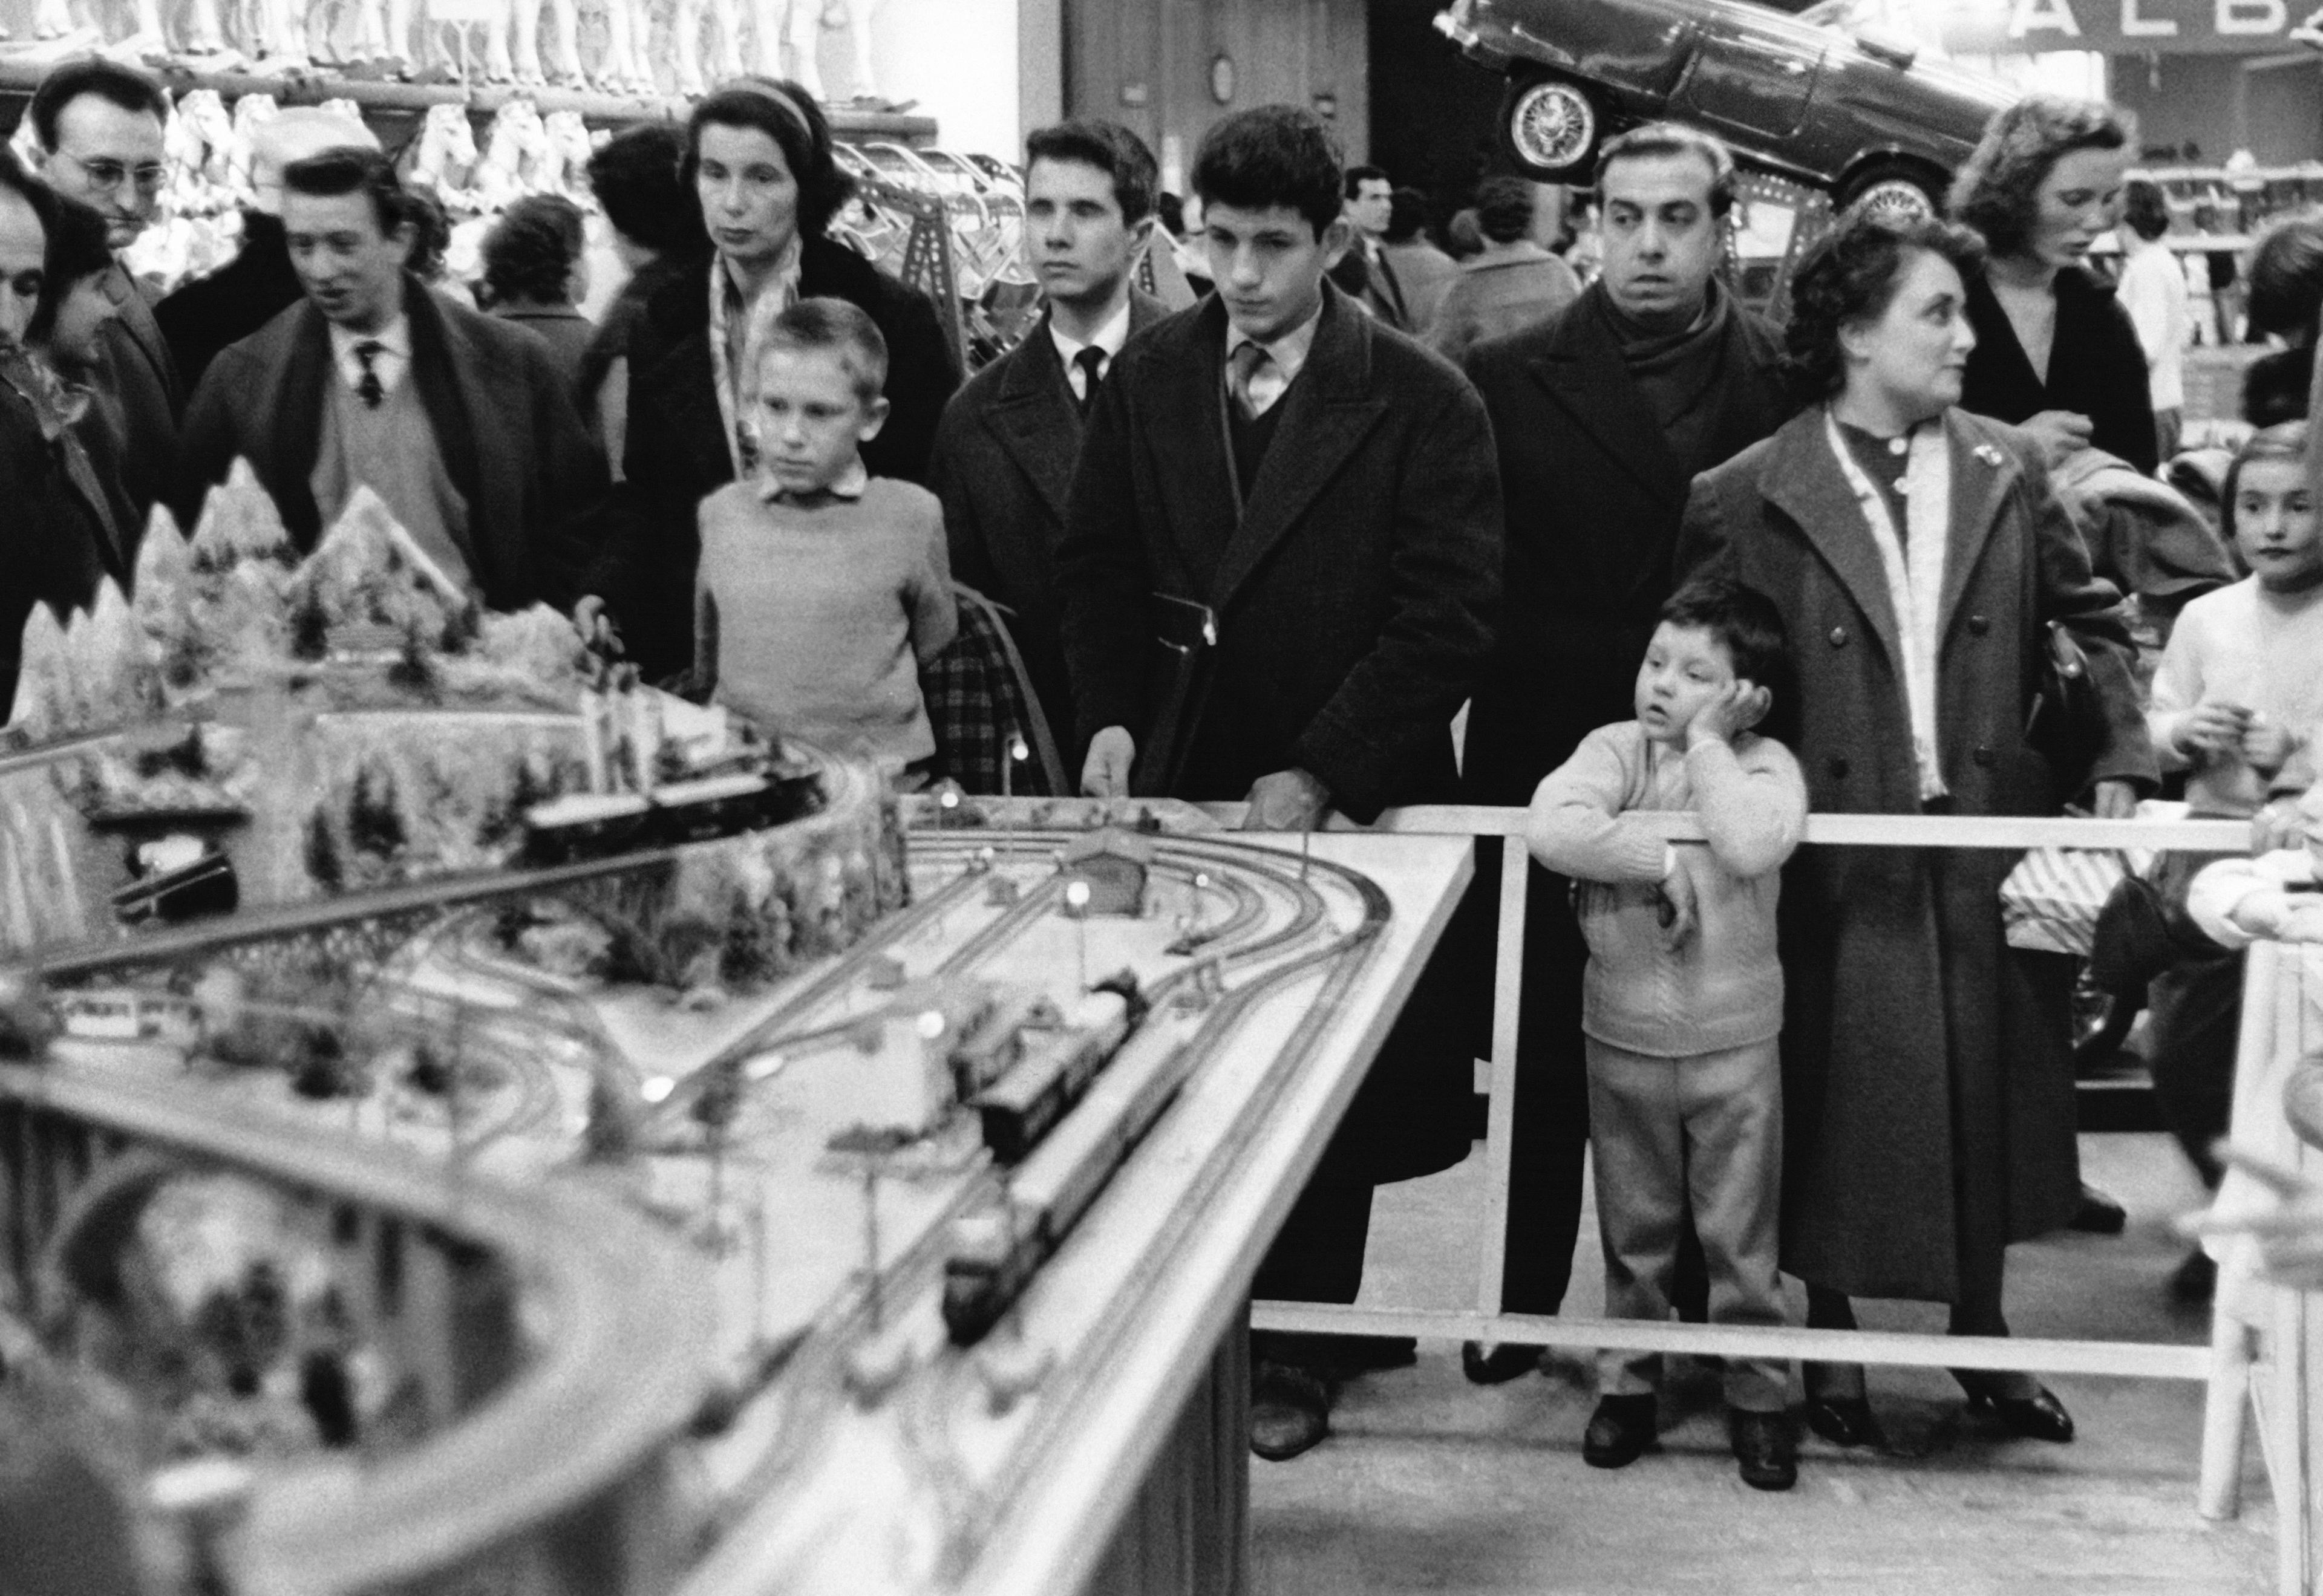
(2066, 725)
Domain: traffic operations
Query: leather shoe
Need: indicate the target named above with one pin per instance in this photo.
(1621, 1428)
(1499, 1366)
(2037, 1417)
(2099, 1213)
(1763, 1446)
(1289, 1411)
(1844, 1421)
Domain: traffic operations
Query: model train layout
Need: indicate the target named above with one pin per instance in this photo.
(877, 1156)
(366, 976)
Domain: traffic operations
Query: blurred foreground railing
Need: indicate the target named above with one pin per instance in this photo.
(558, 1342)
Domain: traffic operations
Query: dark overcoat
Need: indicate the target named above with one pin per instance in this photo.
(202, 316)
(1594, 496)
(1928, 1088)
(1004, 460)
(58, 535)
(676, 454)
(2097, 367)
(136, 379)
(1355, 592)
(512, 442)
(1355, 596)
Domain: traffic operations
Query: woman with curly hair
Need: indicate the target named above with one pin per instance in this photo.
(1918, 554)
(535, 272)
(2055, 354)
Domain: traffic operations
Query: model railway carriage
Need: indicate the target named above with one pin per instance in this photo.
(1054, 1067)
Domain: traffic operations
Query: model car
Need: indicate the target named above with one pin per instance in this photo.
(1856, 114)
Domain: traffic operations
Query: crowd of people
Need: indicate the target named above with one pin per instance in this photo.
(1667, 556)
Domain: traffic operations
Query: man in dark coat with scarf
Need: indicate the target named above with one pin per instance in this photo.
(1603, 414)
(1304, 501)
(1006, 452)
(462, 424)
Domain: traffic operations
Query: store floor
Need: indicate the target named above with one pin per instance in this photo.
(1429, 1483)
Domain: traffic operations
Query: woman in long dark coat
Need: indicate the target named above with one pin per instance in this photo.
(758, 158)
(2055, 351)
(1918, 553)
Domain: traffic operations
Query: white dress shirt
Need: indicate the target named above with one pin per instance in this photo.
(1287, 356)
(1108, 341)
(388, 365)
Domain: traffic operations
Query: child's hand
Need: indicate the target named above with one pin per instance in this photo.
(2266, 745)
(1678, 911)
(1728, 713)
(2278, 825)
(2212, 727)
(1105, 773)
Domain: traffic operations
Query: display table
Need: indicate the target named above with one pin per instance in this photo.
(1130, 1470)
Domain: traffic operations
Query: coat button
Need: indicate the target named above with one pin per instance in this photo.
(1839, 636)
(1838, 768)
(1985, 757)
(1979, 625)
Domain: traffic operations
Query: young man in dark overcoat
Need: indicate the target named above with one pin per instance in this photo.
(1281, 569)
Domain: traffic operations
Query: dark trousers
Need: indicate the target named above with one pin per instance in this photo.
(2197, 1009)
(1317, 1257)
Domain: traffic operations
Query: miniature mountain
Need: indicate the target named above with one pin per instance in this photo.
(369, 578)
(42, 706)
(239, 522)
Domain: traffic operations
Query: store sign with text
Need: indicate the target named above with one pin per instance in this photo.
(2238, 27)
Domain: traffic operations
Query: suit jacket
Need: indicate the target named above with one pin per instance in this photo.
(1594, 498)
(503, 416)
(676, 454)
(136, 380)
(1929, 1114)
(2097, 368)
(1355, 592)
(1004, 467)
(201, 317)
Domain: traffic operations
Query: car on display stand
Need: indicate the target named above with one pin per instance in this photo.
(1855, 115)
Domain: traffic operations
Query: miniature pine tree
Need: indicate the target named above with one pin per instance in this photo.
(323, 854)
(374, 823)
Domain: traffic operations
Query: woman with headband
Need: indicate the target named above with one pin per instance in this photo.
(758, 159)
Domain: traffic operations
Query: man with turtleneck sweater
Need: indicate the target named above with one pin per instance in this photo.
(1602, 415)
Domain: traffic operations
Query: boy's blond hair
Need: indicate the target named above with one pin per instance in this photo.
(835, 326)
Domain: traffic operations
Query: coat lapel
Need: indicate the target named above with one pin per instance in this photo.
(1330, 409)
(683, 383)
(443, 366)
(1033, 418)
(136, 318)
(1183, 428)
(1803, 481)
(1583, 374)
(298, 424)
(1982, 475)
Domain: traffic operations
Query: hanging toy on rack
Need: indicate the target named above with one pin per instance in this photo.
(443, 155)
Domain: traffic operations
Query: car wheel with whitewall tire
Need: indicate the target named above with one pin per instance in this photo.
(1893, 187)
(1551, 128)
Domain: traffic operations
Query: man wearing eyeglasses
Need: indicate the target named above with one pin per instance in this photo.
(99, 127)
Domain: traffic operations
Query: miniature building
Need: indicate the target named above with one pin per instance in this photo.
(1113, 863)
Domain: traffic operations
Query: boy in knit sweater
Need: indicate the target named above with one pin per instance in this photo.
(1683, 1001)
(821, 589)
